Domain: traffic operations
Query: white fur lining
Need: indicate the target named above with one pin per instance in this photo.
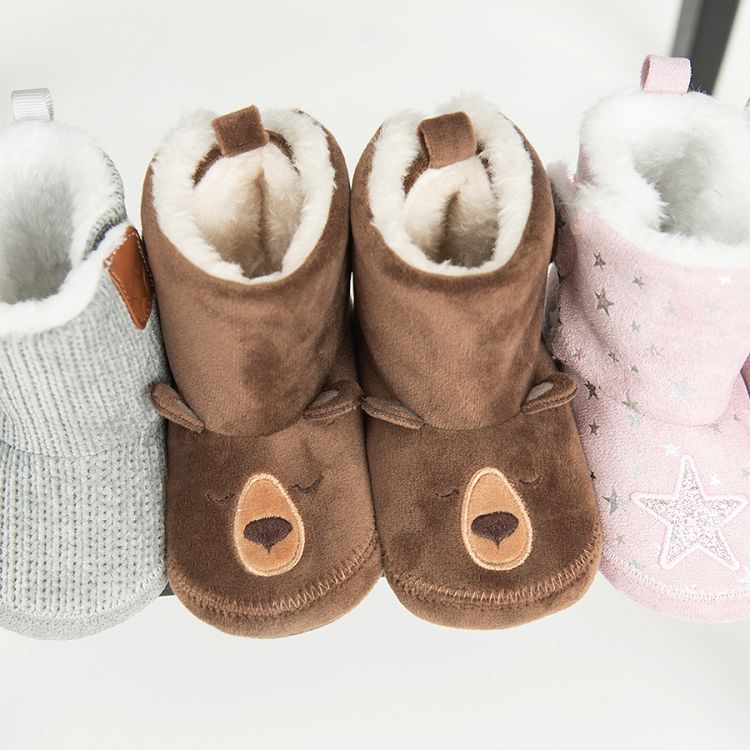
(59, 193)
(71, 298)
(668, 172)
(226, 208)
(490, 205)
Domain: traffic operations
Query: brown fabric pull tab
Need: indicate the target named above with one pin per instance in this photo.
(448, 139)
(240, 131)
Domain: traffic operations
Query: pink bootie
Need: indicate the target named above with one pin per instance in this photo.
(652, 321)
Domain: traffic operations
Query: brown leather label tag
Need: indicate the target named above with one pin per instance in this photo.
(129, 273)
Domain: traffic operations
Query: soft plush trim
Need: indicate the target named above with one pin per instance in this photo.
(71, 299)
(59, 193)
(694, 148)
(173, 190)
(510, 171)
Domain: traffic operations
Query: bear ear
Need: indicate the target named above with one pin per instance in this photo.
(387, 411)
(555, 390)
(335, 400)
(171, 406)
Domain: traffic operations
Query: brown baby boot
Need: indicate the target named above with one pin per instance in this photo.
(484, 505)
(270, 525)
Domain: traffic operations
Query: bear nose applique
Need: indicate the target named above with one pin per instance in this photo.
(269, 535)
(267, 531)
(495, 525)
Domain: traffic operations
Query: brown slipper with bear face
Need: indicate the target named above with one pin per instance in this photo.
(270, 525)
(484, 504)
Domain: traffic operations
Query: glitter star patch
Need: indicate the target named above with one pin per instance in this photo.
(694, 519)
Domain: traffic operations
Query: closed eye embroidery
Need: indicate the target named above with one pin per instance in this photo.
(449, 496)
(533, 480)
(219, 499)
(307, 489)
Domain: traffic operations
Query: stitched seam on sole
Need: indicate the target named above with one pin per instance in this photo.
(133, 597)
(301, 600)
(687, 596)
(572, 573)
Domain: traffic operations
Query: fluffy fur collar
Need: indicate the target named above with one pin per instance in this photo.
(59, 196)
(668, 172)
(69, 300)
(299, 197)
(494, 211)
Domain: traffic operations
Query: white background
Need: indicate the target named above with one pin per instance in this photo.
(604, 674)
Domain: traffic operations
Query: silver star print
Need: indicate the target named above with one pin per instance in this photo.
(694, 520)
(635, 327)
(634, 369)
(594, 428)
(670, 449)
(614, 357)
(602, 303)
(681, 391)
(614, 500)
(591, 388)
(669, 308)
(638, 281)
(629, 403)
(599, 261)
(655, 351)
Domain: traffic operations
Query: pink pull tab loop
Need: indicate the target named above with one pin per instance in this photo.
(665, 75)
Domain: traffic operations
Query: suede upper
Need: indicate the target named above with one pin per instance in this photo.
(652, 321)
(621, 310)
(656, 349)
(242, 336)
(270, 522)
(483, 502)
(479, 369)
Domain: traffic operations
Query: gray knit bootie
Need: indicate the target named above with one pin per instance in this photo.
(81, 448)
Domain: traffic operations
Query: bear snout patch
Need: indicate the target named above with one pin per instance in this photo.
(269, 536)
(495, 525)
